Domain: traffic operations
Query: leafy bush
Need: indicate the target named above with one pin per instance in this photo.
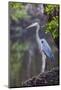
(17, 11)
(52, 25)
(49, 9)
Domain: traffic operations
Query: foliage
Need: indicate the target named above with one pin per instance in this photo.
(15, 5)
(17, 11)
(16, 57)
(49, 9)
(52, 25)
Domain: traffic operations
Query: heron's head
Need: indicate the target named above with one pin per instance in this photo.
(32, 25)
(46, 49)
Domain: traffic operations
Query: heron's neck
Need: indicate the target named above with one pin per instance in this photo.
(37, 30)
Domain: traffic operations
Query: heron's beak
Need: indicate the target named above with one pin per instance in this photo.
(47, 50)
(32, 25)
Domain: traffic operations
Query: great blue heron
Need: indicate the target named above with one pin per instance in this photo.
(43, 46)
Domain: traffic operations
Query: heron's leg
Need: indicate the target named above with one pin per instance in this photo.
(43, 62)
(29, 62)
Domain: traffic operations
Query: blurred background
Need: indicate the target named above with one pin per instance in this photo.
(21, 40)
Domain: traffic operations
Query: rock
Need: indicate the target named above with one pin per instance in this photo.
(47, 78)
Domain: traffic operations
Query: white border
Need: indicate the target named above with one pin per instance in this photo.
(4, 42)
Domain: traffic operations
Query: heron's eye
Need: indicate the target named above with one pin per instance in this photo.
(41, 41)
